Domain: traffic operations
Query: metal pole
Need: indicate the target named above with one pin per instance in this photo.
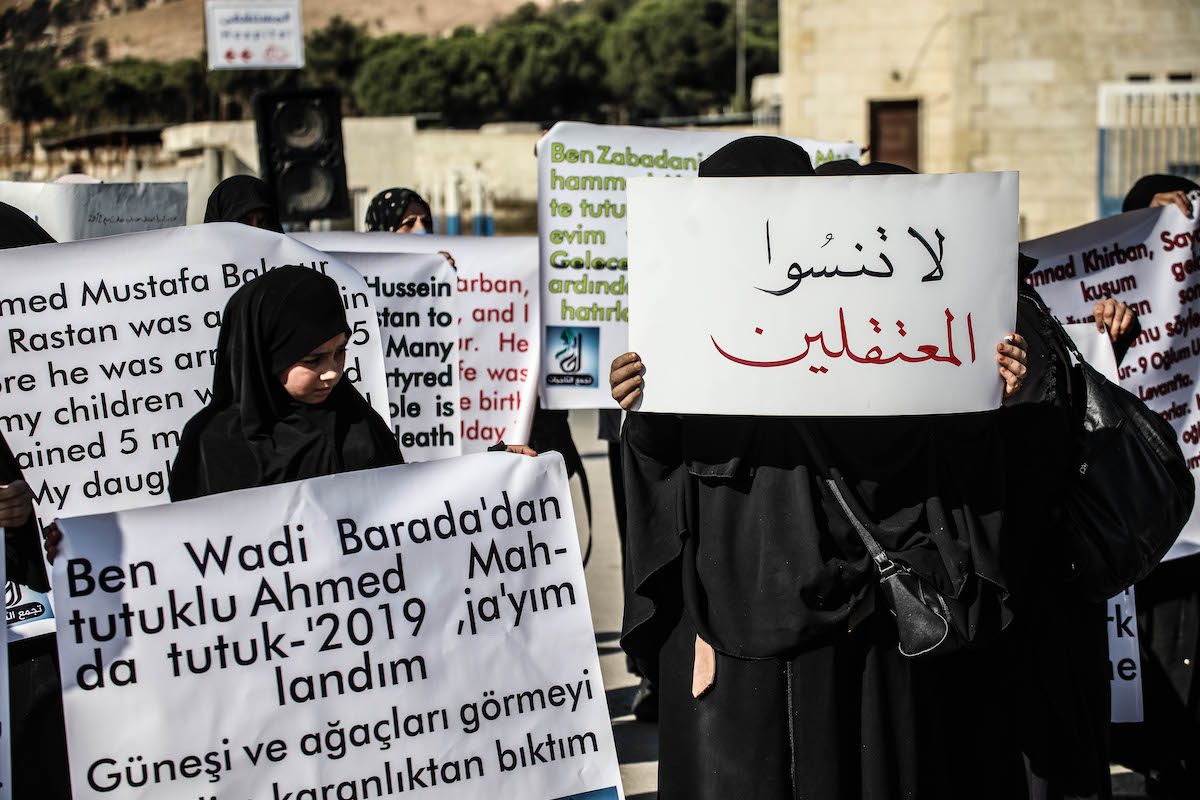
(739, 101)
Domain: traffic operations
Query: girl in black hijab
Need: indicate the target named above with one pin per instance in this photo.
(399, 210)
(752, 599)
(37, 735)
(244, 199)
(280, 410)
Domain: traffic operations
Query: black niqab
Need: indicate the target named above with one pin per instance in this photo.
(235, 197)
(734, 539)
(253, 433)
(1142, 193)
(931, 486)
(23, 557)
(388, 208)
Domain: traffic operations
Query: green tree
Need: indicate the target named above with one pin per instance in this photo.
(25, 59)
(671, 57)
(334, 55)
(548, 67)
(405, 75)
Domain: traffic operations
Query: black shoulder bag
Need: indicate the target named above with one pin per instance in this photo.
(925, 625)
(1132, 491)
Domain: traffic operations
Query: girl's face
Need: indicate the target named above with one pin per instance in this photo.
(312, 378)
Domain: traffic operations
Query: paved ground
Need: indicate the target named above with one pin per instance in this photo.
(637, 743)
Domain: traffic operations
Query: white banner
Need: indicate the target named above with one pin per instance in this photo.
(109, 347)
(418, 327)
(582, 174)
(259, 34)
(72, 211)
(1124, 658)
(498, 324)
(1149, 259)
(858, 296)
(419, 629)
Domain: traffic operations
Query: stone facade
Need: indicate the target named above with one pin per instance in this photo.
(1002, 84)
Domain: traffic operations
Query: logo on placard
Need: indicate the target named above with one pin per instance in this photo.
(576, 354)
(599, 794)
(18, 608)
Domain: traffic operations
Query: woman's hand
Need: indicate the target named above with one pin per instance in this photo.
(1011, 356)
(625, 379)
(520, 449)
(1177, 198)
(1114, 316)
(16, 504)
(53, 538)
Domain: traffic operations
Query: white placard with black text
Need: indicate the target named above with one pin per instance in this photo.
(415, 630)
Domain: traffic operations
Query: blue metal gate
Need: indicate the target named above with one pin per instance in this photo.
(1145, 128)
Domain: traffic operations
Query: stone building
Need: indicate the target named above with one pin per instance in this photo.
(979, 85)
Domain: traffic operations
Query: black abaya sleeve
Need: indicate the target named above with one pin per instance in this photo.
(22, 546)
(651, 452)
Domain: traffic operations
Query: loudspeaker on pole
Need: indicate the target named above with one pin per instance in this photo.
(300, 152)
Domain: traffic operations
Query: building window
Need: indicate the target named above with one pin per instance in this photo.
(895, 132)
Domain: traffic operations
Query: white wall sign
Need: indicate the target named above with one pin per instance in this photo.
(418, 328)
(421, 629)
(1149, 259)
(582, 174)
(260, 34)
(499, 344)
(85, 211)
(1124, 658)
(874, 295)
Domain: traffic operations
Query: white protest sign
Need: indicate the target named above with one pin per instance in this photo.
(1149, 259)
(109, 347)
(5, 722)
(418, 629)
(1124, 659)
(498, 327)
(72, 211)
(859, 296)
(259, 34)
(582, 173)
(418, 327)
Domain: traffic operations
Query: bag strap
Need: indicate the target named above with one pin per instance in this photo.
(884, 563)
(1060, 333)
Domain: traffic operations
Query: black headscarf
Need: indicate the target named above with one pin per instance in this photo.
(17, 229)
(236, 197)
(23, 557)
(846, 166)
(252, 432)
(1149, 185)
(388, 208)
(771, 565)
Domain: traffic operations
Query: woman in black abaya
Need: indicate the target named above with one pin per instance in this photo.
(280, 410)
(39, 746)
(751, 598)
(1166, 745)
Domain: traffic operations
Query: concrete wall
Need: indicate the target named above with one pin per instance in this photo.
(1003, 84)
